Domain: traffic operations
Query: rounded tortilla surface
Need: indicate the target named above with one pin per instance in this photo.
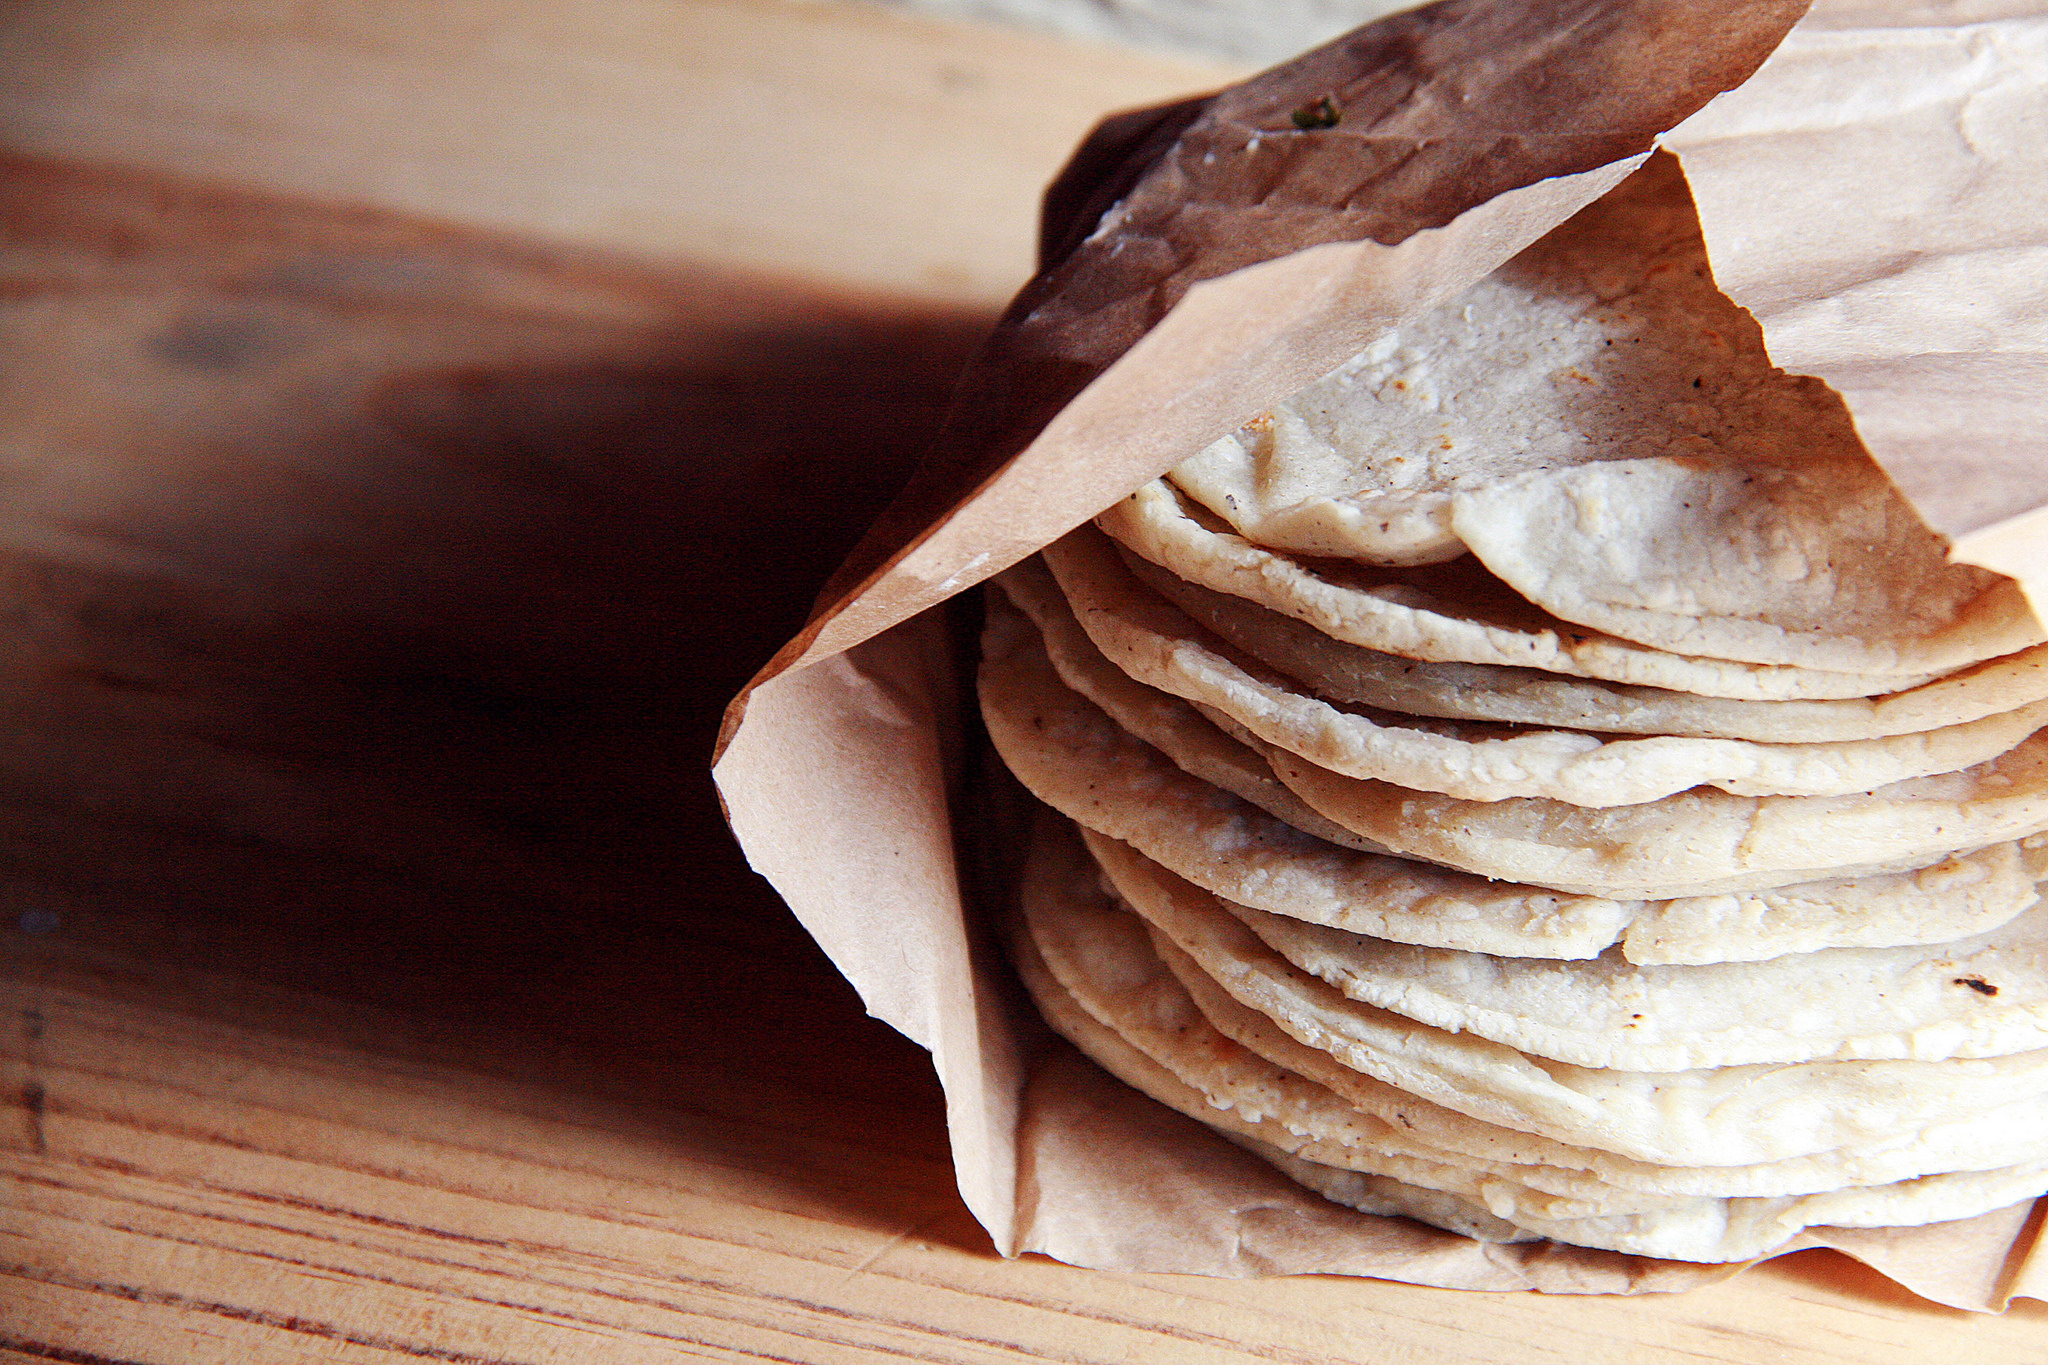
(1962, 895)
(1527, 696)
(1074, 757)
(1979, 997)
(1716, 1116)
(1453, 614)
(1697, 842)
(1603, 428)
(1157, 644)
(1583, 347)
(1819, 564)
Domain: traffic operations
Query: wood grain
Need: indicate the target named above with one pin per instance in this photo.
(377, 981)
(796, 137)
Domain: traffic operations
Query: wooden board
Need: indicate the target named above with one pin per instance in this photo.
(816, 139)
(377, 981)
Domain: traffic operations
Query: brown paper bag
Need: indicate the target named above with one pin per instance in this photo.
(1202, 261)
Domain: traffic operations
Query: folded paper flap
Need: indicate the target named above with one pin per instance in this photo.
(1906, 409)
(1976, 1263)
(1187, 1200)
(1894, 246)
(1398, 127)
(1872, 15)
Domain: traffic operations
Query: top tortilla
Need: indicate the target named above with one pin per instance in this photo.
(1457, 613)
(1581, 349)
(1604, 430)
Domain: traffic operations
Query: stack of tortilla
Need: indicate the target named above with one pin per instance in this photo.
(1542, 780)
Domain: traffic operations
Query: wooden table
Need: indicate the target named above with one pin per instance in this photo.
(418, 419)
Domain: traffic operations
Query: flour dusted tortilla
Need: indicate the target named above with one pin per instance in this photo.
(1157, 644)
(1527, 696)
(1975, 997)
(1074, 757)
(1604, 340)
(1804, 564)
(1716, 1116)
(1104, 958)
(1698, 842)
(1603, 428)
(1456, 613)
(1962, 895)
(1164, 722)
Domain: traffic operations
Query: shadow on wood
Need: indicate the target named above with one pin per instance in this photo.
(374, 593)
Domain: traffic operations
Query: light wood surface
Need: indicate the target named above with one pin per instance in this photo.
(377, 981)
(808, 138)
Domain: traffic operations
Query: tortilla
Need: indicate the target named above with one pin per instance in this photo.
(1166, 723)
(1525, 696)
(1103, 957)
(1604, 430)
(1584, 347)
(1977, 997)
(1456, 613)
(1963, 895)
(1697, 842)
(1956, 1145)
(1712, 1117)
(1809, 564)
(1135, 1068)
(1599, 810)
(1157, 644)
(1700, 1228)
(1096, 981)
(1074, 757)
(1709, 1230)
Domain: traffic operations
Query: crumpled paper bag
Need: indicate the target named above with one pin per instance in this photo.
(1868, 178)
